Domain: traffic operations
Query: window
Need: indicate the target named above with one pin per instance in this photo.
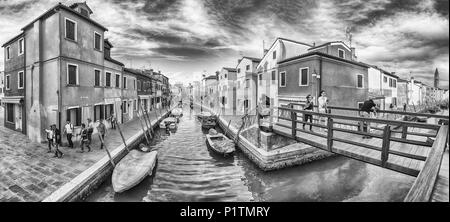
(341, 53)
(239, 70)
(394, 83)
(139, 85)
(97, 76)
(97, 41)
(71, 30)
(385, 79)
(135, 105)
(260, 79)
(117, 81)
(74, 116)
(124, 82)
(247, 83)
(8, 52)
(360, 104)
(247, 67)
(21, 46)
(108, 79)
(124, 107)
(20, 80)
(303, 76)
(7, 82)
(360, 81)
(282, 79)
(134, 84)
(274, 76)
(246, 104)
(274, 54)
(390, 82)
(72, 74)
(10, 112)
(225, 76)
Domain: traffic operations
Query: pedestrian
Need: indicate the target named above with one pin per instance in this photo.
(90, 129)
(309, 106)
(113, 122)
(367, 110)
(84, 138)
(102, 131)
(68, 130)
(57, 140)
(322, 107)
(50, 138)
(404, 107)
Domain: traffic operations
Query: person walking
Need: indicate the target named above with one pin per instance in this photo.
(113, 122)
(84, 138)
(50, 138)
(57, 139)
(68, 130)
(90, 129)
(322, 107)
(102, 130)
(309, 106)
(367, 110)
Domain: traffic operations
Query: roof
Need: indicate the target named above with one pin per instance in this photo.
(211, 77)
(114, 61)
(74, 5)
(324, 55)
(53, 10)
(252, 59)
(383, 71)
(137, 72)
(284, 39)
(402, 80)
(229, 69)
(107, 42)
(13, 39)
(329, 43)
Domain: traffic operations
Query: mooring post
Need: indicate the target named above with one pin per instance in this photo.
(294, 121)
(106, 149)
(142, 125)
(330, 134)
(145, 120)
(258, 119)
(123, 138)
(385, 145)
(404, 131)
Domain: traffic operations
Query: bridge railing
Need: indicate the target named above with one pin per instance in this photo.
(422, 189)
(387, 136)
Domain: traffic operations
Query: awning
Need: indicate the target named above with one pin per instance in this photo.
(13, 99)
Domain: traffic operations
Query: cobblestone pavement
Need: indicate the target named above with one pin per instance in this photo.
(29, 173)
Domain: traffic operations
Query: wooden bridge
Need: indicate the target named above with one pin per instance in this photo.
(411, 148)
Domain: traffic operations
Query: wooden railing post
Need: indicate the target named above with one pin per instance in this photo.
(385, 145)
(330, 134)
(404, 131)
(142, 126)
(294, 122)
(106, 149)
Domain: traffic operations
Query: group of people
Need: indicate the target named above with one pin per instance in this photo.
(86, 131)
(367, 110)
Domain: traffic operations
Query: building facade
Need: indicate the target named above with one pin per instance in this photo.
(246, 84)
(383, 87)
(227, 89)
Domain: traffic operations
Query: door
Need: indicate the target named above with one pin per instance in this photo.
(86, 113)
(18, 115)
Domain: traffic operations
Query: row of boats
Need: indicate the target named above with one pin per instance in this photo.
(140, 163)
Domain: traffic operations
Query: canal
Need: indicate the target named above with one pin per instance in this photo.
(188, 171)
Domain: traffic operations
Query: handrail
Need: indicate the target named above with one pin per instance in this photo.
(383, 111)
(422, 188)
(357, 118)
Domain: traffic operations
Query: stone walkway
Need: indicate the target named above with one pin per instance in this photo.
(29, 173)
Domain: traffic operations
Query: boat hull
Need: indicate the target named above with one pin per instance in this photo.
(220, 144)
(132, 169)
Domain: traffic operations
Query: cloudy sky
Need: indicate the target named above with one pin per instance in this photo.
(185, 38)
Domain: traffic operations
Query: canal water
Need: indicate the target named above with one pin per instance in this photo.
(188, 171)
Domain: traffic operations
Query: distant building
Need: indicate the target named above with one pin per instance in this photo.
(246, 84)
(227, 89)
(209, 90)
(2, 92)
(382, 86)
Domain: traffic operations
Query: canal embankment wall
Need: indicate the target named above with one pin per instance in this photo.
(85, 183)
(268, 160)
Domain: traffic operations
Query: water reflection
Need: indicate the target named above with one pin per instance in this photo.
(188, 171)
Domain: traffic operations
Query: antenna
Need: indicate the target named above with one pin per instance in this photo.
(348, 34)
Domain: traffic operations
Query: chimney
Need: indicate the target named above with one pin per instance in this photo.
(265, 51)
(353, 53)
(314, 44)
(159, 71)
(239, 61)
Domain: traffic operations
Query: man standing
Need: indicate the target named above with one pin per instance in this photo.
(57, 141)
(90, 130)
(50, 138)
(113, 122)
(308, 107)
(323, 107)
(102, 131)
(368, 110)
(84, 138)
(68, 130)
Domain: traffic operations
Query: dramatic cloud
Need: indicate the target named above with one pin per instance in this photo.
(186, 38)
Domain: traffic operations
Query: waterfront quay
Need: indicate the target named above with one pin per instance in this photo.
(28, 173)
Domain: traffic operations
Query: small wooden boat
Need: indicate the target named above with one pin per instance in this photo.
(220, 144)
(209, 122)
(172, 126)
(177, 112)
(132, 169)
(167, 121)
(204, 114)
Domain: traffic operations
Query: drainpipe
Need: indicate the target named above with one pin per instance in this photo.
(59, 76)
(319, 88)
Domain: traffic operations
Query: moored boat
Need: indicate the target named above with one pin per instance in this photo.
(132, 169)
(167, 121)
(177, 112)
(209, 122)
(220, 144)
(204, 114)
